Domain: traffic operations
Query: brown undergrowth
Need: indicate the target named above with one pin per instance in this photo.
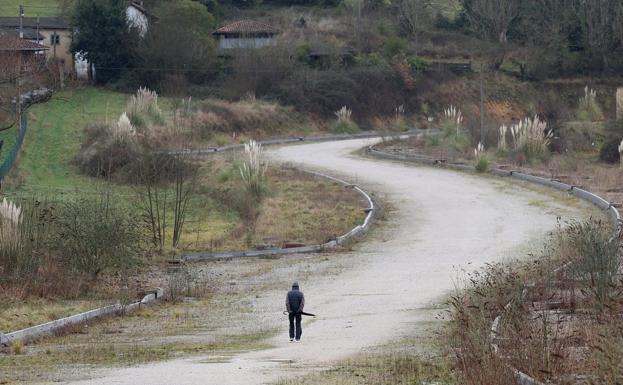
(564, 323)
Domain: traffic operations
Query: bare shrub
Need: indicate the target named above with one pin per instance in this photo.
(164, 184)
(103, 153)
(96, 234)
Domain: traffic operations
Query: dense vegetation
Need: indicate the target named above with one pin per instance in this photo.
(373, 53)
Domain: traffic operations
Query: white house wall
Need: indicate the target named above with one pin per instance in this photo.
(137, 19)
(257, 42)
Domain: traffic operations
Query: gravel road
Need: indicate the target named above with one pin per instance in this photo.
(441, 221)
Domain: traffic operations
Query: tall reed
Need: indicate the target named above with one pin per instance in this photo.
(124, 129)
(145, 101)
(589, 109)
(452, 121)
(253, 169)
(531, 136)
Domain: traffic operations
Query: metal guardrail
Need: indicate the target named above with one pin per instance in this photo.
(6, 166)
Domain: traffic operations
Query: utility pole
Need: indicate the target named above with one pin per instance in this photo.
(482, 105)
(21, 21)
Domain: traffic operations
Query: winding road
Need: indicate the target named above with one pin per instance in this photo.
(440, 221)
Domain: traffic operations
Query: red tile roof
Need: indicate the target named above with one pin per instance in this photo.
(12, 42)
(246, 27)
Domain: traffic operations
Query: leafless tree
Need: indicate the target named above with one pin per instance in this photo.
(605, 28)
(415, 16)
(492, 18)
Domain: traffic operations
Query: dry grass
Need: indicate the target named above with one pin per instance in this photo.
(567, 324)
(296, 208)
(381, 369)
(307, 210)
(246, 116)
(18, 314)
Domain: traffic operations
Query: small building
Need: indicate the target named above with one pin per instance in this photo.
(245, 34)
(27, 33)
(15, 51)
(55, 32)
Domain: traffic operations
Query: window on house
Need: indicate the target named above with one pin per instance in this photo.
(55, 39)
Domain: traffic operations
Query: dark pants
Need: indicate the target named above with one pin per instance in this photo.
(299, 331)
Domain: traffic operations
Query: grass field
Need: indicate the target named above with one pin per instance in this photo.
(55, 129)
(45, 169)
(32, 8)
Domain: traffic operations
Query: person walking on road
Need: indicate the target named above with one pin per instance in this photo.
(295, 301)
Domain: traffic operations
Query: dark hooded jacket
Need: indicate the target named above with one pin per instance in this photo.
(295, 300)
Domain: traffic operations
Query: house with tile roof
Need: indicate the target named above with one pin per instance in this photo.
(55, 33)
(16, 52)
(245, 34)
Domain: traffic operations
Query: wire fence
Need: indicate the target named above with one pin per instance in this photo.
(10, 159)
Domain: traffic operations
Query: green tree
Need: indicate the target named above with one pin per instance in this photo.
(179, 42)
(103, 38)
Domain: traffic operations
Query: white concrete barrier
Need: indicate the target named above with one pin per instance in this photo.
(56, 326)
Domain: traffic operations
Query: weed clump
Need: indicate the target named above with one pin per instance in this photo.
(482, 162)
(532, 138)
(611, 151)
(589, 109)
(452, 121)
(344, 123)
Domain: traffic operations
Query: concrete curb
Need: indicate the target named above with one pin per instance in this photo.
(332, 244)
(611, 212)
(58, 325)
(301, 139)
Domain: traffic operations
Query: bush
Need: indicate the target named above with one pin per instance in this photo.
(344, 127)
(609, 151)
(101, 155)
(94, 235)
